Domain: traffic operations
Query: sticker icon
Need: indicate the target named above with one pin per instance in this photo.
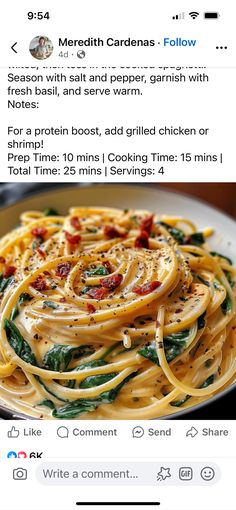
(163, 474)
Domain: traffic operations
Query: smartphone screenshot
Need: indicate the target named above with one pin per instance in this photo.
(117, 255)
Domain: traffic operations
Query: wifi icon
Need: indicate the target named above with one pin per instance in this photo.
(194, 14)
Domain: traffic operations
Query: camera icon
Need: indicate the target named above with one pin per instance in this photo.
(20, 474)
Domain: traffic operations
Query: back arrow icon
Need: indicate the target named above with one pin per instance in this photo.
(13, 47)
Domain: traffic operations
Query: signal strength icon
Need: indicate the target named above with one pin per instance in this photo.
(194, 14)
(179, 16)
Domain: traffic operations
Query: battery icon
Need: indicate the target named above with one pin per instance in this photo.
(211, 15)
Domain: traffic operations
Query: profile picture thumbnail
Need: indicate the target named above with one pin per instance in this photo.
(41, 47)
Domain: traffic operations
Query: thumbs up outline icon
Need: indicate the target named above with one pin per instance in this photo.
(13, 433)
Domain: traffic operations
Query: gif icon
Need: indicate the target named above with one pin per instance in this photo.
(20, 474)
(185, 473)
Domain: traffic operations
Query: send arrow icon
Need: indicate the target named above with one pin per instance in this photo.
(13, 47)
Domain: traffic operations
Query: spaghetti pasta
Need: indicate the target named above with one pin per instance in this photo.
(112, 314)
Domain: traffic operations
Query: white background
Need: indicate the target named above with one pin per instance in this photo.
(201, 105)
(31, 495)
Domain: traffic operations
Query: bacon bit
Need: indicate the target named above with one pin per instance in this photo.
(9, 271)
(146, 224)
(97, 293)
(62, 300)
(41, 253)
(142, 240)
(112, 232)
(112, 281)
(72, 239)
(91, 308)
(39, 232)
(107, 265)
(62, 270)
(75, 222)
(39, 284)
(142, 290)
(2, 260)
(178, 310)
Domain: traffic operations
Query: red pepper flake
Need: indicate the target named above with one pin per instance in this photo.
(9, 271)
(142, 240)
(62, 270)
(107, 265)
(62, 300)
(2, 260)
(41, 253)
(97, 293)
(75, 222)
(39, 232)
(39, 284)
(113, 232)
(142, 290)
(146, 224)
(46, 273)
(112, 281)
(90, 308)
(178, 310)
(72, 239)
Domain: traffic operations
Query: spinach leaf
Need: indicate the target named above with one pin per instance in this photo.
(15, 310)
(99, 270)
(134, 219)
(201, 321)
(110, 349)
(50, 212)
(176, 233)
(4, 282)
(208, 381)
(176, 338)
(85, 289)
(197, 239)
(81, 406)
(91, 230)
(171, 351)
(37, 242)
(179, 403)
(216, 254)
(90, 364)
(48, 389)
(205, 384)
(24, 297)
(201, 279)
(227, 306)
(173, 344)
(47, 403)
(228, 275)
(96, 380)
(18, 343)
(59, 356)
(50, 304)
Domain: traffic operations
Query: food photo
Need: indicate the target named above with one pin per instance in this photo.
(117, 302)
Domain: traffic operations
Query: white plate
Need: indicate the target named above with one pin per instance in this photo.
(133, 197)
